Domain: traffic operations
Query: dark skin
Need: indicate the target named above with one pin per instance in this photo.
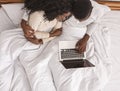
(82, 43)
(29, 33)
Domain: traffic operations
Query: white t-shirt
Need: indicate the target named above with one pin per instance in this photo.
(97, 12)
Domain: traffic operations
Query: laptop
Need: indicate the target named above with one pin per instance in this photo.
(70, 57)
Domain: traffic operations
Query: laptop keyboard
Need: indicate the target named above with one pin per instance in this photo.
(71, 53)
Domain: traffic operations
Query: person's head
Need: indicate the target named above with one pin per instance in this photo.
(59, 9)
(81, 9)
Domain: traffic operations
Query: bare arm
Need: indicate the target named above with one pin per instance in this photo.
(82, 43)
(56, 32)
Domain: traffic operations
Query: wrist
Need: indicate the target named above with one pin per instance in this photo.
(51, 35)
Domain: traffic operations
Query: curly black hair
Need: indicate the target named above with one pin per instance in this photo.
(52, 8)
(81, 8)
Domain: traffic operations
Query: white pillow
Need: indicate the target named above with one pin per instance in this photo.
(14, 11)
(5, 22)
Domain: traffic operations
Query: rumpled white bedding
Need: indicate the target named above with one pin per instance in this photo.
(112, 20)
(15, 47)
(88, 79)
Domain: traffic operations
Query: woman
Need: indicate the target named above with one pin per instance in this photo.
(14, 45)
(45, 14)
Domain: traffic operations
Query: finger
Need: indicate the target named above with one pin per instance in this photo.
(83, 49)
(77, 44)
(76, 47)
(30, 31)
(32, 36)
(29, 34)
(26, 35)
(80, 49)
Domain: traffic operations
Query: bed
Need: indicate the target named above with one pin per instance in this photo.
(111, 20)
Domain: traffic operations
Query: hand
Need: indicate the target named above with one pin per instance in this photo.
(57, 32)
(34, 40)
(82, 43)
(28, 31)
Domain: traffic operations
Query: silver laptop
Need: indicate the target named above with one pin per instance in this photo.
(67, 51)
(70, 57)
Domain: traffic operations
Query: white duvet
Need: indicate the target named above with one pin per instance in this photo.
(13, 47)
